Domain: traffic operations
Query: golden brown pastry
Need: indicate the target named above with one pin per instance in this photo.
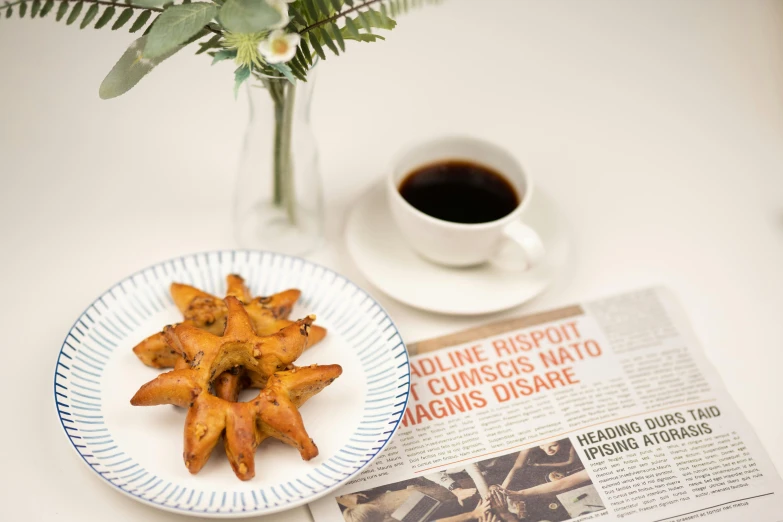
(267, 360)
(207, 312)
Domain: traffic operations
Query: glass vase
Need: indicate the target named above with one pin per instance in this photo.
(279, 200)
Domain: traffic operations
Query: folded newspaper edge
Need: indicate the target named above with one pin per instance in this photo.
(607, 410)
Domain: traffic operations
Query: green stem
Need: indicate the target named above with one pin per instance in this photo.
(289, 194)
(276, 92)
(279, 154)
(283, 94)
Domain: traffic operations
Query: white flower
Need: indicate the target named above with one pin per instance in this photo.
(279, 46)
(281, 6)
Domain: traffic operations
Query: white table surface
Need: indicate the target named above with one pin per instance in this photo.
(657, 125)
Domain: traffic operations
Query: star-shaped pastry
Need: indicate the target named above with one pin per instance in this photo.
(207, 312)
(267, 360)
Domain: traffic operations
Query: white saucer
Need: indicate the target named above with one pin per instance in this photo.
(386, 260)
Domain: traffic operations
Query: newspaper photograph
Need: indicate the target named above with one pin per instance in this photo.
(606, 410)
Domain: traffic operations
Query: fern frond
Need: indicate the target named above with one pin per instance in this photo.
(91, 12)
(310, 10)
(72, 11)
(316, 13)
(324, 25)
(297, 15)
(338, 35)
(317, 46)
(324, 7)
(212, 43)
(147, 30)
(327, 39)
(75, 12)
(121, 20)
(140, 21)
(398, 7)
(317, 22)
(106, 17)
(46, 8)
(61, 10)
(305, 50)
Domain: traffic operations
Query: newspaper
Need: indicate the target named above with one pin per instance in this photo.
(602, 411)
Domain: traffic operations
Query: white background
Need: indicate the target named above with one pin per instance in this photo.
(657, 125)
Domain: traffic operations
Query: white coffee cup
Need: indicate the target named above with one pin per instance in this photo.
(463, 244)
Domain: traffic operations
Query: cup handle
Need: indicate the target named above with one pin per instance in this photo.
(528, 241)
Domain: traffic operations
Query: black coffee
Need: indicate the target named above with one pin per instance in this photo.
(459, 191)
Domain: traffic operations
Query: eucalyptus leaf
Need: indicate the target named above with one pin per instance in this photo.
(140, 21)
(240, 75)
(176, 25)
(248, 16)
(35, 8)
(22, 9)
(131, 67)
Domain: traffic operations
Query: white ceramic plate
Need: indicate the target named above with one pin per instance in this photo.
(386, 260)
(138, 450)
